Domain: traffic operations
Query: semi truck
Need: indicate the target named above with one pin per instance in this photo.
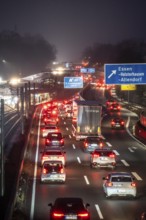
(88, 119)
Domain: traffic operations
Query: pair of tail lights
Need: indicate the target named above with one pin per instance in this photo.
(109, 184)
(59, 215)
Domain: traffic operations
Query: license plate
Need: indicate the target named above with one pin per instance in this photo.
(70, 217)
(121, 191)
(54, 176)
(117, 125)
(53, 158)
(103, 158)
(94, 145)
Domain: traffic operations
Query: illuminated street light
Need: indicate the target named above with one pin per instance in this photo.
(14, 81)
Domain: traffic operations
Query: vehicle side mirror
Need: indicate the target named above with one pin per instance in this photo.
(87, 205)
(50, 204)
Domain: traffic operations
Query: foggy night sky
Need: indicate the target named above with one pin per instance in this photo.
(73, 25)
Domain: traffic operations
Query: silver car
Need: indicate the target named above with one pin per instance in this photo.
(103, 158)
(48, 129)
(119, 184)
(53, 171)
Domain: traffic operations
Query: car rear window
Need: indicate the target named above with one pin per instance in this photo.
(53, 153)
(121, 179)
(50, 127)
(54, 135)
(53, 168)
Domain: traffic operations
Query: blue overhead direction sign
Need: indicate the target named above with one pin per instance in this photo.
(73, 82)
(122, 74)
(87, 70)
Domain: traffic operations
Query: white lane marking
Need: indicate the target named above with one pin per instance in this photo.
(73, 134)
(125, 163)
(69, 136)
(116, 152)
(86, 180)
(65, 122)
(74, 147)
(136, 176)
(130, 149)
(74, 127)
(78, 159)
(108, 144)
(67, 129)
(35, 172)
(99, 211)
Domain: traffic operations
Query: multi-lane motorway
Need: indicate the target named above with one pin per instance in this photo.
(83, 181)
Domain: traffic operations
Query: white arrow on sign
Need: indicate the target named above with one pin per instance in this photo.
(113, 73)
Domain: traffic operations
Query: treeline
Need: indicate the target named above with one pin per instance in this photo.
(127, 51)
(27, 54)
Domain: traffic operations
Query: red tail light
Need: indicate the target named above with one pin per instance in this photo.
(101, 144)
(109, 184)
(44, 171)
(118, 107)
(61, 141)
(112, 155)
(47, 141)
(83, 215)
(112, 122)
(61, 170)
(96, 155)
(44, 157)
(122, 122)
(58, 215)
(86, 144)
(133, 184)
(56, 130)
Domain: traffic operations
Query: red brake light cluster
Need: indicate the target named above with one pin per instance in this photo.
(44, 171)
(109, 184)
(96, 155)
(47, 141)
(133, 184)
(58, 215)
(112, 155)
(83, 215)
(61, 141)
(61, 170)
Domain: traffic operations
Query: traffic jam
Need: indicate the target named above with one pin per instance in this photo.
(72, 143)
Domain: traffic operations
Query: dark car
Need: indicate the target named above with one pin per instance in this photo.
(54, 139)
(117, 123)
(93, 142)
(114, 107)
(110, 102)
(69, 208)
